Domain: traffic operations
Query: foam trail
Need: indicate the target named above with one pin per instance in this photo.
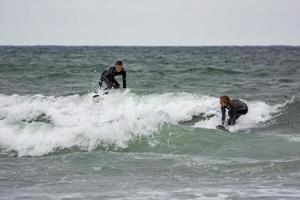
(37, 125)
(77, 121)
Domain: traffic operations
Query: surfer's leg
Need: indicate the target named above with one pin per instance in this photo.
(242, 112)
(116, 84)
(236, 117)
(238, 114)
(109, 85)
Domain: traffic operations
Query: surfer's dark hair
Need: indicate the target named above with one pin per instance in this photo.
(225, 100)
(119, 62)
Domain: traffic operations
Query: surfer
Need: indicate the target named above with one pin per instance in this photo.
(235, 108)
(108, 76)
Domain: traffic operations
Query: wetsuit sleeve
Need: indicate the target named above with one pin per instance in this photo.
(223, 115)
(104, 76)
(124, 79)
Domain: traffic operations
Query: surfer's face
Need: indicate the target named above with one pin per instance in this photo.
(119, 68)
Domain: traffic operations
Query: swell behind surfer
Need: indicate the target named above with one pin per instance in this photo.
(108, 76)
(236, 108)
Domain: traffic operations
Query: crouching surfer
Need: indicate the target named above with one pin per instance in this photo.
(108, 76)
(236, 108)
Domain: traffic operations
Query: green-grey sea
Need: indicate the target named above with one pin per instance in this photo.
(156, 139)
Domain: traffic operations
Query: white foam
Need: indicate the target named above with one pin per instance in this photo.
(76, 120)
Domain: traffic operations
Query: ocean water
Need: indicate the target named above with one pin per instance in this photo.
(157, 138)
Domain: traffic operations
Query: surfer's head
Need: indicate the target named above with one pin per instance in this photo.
(119, 66)
(224, 101)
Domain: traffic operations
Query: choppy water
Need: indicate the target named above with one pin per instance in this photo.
(156, 139)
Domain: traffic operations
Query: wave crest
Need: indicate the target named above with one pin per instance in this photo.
(38, 125)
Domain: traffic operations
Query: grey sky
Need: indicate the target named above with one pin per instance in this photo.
(150, 22)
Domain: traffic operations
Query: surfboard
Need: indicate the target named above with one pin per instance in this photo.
(96, 98)
(222, 128)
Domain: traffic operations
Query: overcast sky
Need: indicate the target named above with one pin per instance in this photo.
(149, 22)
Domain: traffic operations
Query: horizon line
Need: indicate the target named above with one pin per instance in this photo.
(82, 45)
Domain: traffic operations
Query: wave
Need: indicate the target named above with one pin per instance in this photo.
(37, 125)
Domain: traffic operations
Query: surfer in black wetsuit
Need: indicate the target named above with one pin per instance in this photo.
(108, 76)
(236, 108)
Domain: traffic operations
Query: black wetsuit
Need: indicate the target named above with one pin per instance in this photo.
(108, 76)
(235, 110)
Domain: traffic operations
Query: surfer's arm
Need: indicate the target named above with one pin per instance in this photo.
(234, 116)
(124, 78)
(223, 115)
(105, 74)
